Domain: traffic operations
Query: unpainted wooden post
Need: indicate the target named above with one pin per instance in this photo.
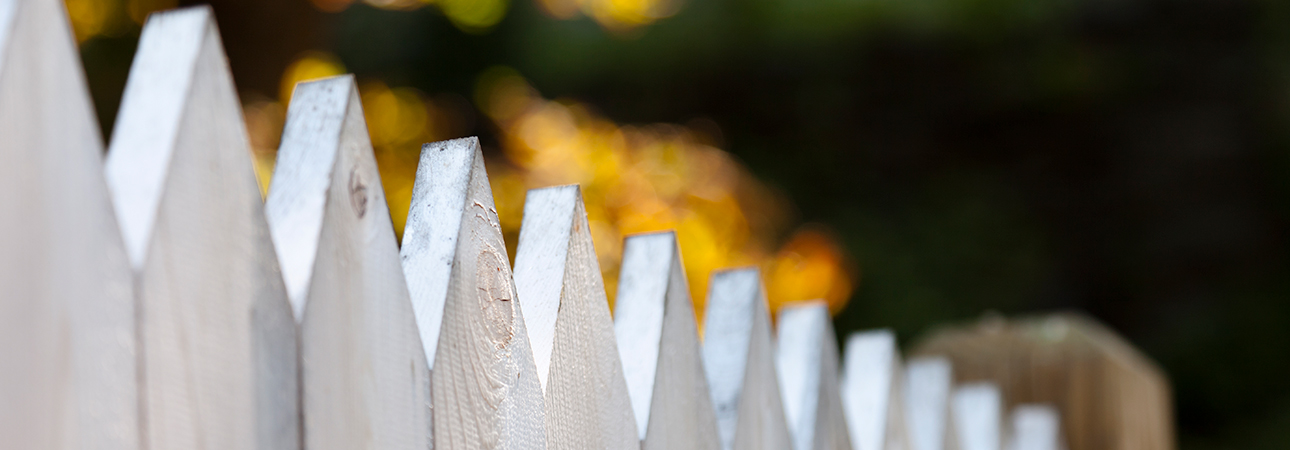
(928, 381)
(67, 342)
(807, 361)
(739, 358)
(659, 343)
(219, 345)
(976, 410)
(567, 316)
(871, 391)
(484, 384)
(1111, 395)
(1035, 427)
(363, 372)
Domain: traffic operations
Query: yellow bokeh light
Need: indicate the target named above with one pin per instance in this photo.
(474, 16)
(810, 266)
(89, 17)
(635, 179)
(308, 66)
(638, 179)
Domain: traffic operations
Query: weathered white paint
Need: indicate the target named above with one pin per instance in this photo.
(871, 393)
(485, 389)
(439, 197)
(1035, 427)
(364, 374)
(927, 392)
(154, 107)
(566, 312)
(977, 411)
(806, 358)
(541, 260)
(739, 361)
(67, 342)
(658, 341)
(219, 355)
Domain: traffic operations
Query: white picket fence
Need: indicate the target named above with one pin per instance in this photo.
(153, 301)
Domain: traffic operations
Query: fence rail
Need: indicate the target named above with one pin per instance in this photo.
(153, 301)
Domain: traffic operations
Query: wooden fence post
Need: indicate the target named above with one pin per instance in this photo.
(67, 342)
(218, 341)
(928, 381)
(484, 384)
(659, 343)
(872, 396)
(567, 316)
(1035, 427)
(1111, 395)
(807, 360)
(365, 383)
(976, 409)
(739, 359)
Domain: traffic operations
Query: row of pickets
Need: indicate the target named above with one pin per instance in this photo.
(153, 301)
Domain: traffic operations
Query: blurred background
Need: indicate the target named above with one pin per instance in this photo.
(914, 162)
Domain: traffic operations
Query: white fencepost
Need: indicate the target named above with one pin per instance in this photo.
(567, 315)
(67, 335)
(739, 359)
(659, 344)
(365, 382)
(484, 385)
(219, 361)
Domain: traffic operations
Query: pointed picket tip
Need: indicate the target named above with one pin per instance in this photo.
(567, 315)
(977, 411)
(807, 361)
(484, 384)
(871, 391)
(928, 381)
(739, 360)
(1035, 427)
(219, 354)
(340, 261)
(658, 340)
(68, 375)
(155, 105)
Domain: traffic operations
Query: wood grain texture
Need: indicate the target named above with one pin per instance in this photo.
(67, 343)
(365, 382)
(872, 396)
(219, 361)
(739, 360)
(1035, 427)
(659, 343)
(928, 381)
(976, 409)
(806, 358)
(558, 280)
(484, 384)
(1110, 395)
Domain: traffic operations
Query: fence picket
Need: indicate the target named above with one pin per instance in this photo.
(871, 391)
(807, 360)
(332, 231)
(1035, 427)
(976, 410)
(484, 385)
(928, 381)
(659, 343)
(67, 343)
(567, 315)
(739, 359)
(219, 345)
